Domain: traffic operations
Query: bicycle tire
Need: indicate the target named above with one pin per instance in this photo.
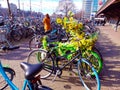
(16, 36)
(30, 32)
(37, 56)
(95, 49)
(10, 73)
(95, 59)
(35, 42)
(84, 69)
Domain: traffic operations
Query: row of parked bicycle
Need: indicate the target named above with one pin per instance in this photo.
(14, 30)
(70, 44)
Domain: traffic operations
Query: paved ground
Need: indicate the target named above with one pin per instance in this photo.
(109, 45)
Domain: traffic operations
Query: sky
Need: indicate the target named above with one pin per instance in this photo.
(44, 6)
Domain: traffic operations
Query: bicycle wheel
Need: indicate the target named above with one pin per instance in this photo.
(41, 55)
(95, 49)
(16, 36)
(85, 69)
(95, 59)
(30, 32)
(35, 42)
(10, 73)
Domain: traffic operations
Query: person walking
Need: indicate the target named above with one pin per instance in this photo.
(117, 24)
(47, 25)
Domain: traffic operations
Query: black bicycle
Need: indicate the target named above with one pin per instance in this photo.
(55, 64)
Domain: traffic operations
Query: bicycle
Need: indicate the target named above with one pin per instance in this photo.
(32, 79)
(91, 54)
(53, 65)
(12, 32)
(57, 34)
(5, 44)
(10, 73)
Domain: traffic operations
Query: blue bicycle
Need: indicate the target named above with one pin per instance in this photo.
(32, 79)
(10, 73)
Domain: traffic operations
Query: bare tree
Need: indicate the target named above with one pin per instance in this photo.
(9, 10)
(78, 15)
(65, 6)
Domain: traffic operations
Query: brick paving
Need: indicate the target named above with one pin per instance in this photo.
(109, 45)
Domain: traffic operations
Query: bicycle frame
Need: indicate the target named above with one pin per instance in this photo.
(10, 83)
(68, 63)
(57, 68)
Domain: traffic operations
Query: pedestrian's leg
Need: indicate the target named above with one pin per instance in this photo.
(116, 28)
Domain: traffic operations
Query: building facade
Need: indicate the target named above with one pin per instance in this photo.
(94, 6)
(101, 3)
(90, 7)
(86, 8)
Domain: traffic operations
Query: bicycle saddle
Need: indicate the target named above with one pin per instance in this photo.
(31, 69)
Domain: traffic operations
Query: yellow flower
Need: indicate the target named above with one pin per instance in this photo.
(80, 25)
(71, 19)
(70, 13)
(59, 21)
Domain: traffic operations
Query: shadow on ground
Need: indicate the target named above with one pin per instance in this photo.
(17, 54)
(110, 75)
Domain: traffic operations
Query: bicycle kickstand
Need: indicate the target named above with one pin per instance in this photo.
(57, 72)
